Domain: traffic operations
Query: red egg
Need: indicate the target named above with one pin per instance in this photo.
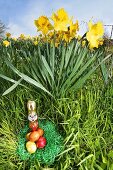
(41, 143)
(33, 125)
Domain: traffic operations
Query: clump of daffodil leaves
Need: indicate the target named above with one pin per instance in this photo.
(60, 59)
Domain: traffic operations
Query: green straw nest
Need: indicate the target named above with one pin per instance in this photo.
(49, 152)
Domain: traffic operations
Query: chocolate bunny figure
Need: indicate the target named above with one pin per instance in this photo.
(32, 115)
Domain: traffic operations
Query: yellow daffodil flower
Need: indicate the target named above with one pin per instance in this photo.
(43, 24)
(28, 37)
(83, 43)
(94, 34)
(35, 38)
(70, 34)
(73, 28)
(79, 37)
(35, 42)
(6, 43)
(15, 39)
(66, 36)
(50, 34)
(61, 20)
(8, 35)
(101, 41)
(96, 29)
(22, 37)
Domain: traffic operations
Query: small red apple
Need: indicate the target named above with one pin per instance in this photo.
(41, 143)
(33, 125)
(34, 136)
(40, 131)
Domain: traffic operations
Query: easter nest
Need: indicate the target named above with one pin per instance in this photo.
(53, 147)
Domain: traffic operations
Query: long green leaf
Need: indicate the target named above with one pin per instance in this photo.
(81, 81)
(52, 59)
(7, 78)
(104, 70)
(27, 78)
(11, 80)
(38, 73)
(84, 68)
(33, 82)
(61, 64)
(12, 87)
(76, 67)
(68, 54)
(47, 67)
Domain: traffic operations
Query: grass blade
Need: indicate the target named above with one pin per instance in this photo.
(86, 158)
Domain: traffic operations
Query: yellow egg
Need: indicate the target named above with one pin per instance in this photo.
(31, 147)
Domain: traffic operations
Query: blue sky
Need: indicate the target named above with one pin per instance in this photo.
(19, 15)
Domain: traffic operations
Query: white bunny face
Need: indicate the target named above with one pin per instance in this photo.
(32, 116)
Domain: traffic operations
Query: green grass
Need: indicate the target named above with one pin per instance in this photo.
(83, 117)
(84, 120)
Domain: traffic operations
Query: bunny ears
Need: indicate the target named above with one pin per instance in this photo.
(31, 105)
